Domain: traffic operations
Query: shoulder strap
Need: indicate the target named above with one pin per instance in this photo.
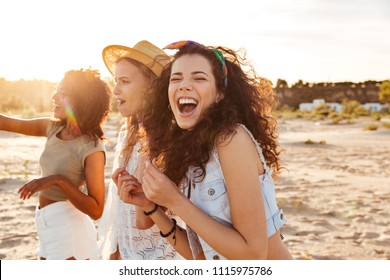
(259, 150)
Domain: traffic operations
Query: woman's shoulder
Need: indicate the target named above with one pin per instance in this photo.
(86, 144)
(237, 151)
(239, 144)
(240, 135)
(53, 127)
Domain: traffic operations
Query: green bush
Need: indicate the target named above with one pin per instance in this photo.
(360, 111)
(386, 124)
(322, 110)
(309, 141)
(376, 116)
(337, 119)
(371, 127)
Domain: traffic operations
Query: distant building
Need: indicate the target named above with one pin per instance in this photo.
(337, 107)
(310, 106)
(374, 106)
(306, 107)
(317, 102)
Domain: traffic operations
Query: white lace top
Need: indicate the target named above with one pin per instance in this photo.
(117, 225)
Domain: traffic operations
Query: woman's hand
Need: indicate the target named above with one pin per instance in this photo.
(117, 172)
(130, 189)
(37, 185)
(158, 187)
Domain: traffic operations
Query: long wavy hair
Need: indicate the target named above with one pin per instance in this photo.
(132, 123)
(247, 99)
(89, 98)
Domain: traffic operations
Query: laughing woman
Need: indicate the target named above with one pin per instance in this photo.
(212, 155)
(73, 157)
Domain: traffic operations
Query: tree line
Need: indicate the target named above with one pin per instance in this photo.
(301, 92)
(34, 96)
(29, 96)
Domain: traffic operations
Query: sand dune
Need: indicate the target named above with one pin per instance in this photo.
(335, 195)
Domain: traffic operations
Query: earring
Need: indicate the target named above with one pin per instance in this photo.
(169, 107)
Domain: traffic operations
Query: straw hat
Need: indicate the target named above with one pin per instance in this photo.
(144, 52)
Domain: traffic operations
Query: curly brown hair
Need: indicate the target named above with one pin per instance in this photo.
(90, 101)
(248, 100)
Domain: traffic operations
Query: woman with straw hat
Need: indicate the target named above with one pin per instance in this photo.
(134, 70)
(74, 156)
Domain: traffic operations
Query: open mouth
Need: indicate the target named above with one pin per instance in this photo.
(186, 105)
(56, 106)
(120, 101)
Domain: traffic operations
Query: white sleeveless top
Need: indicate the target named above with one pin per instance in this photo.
(117, 225)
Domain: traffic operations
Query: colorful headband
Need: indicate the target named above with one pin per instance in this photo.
(218, 54)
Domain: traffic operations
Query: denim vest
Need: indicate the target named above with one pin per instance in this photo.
(210, 195)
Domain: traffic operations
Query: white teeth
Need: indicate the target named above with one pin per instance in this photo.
(183, 101)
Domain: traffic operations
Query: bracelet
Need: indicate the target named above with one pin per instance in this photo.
(171, 231)
(151, 211)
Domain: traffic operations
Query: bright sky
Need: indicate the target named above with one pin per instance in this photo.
(312, 40)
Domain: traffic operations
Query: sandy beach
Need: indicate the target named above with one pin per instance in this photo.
(335, 190)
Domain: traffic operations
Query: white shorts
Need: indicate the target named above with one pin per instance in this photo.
(65, 232)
